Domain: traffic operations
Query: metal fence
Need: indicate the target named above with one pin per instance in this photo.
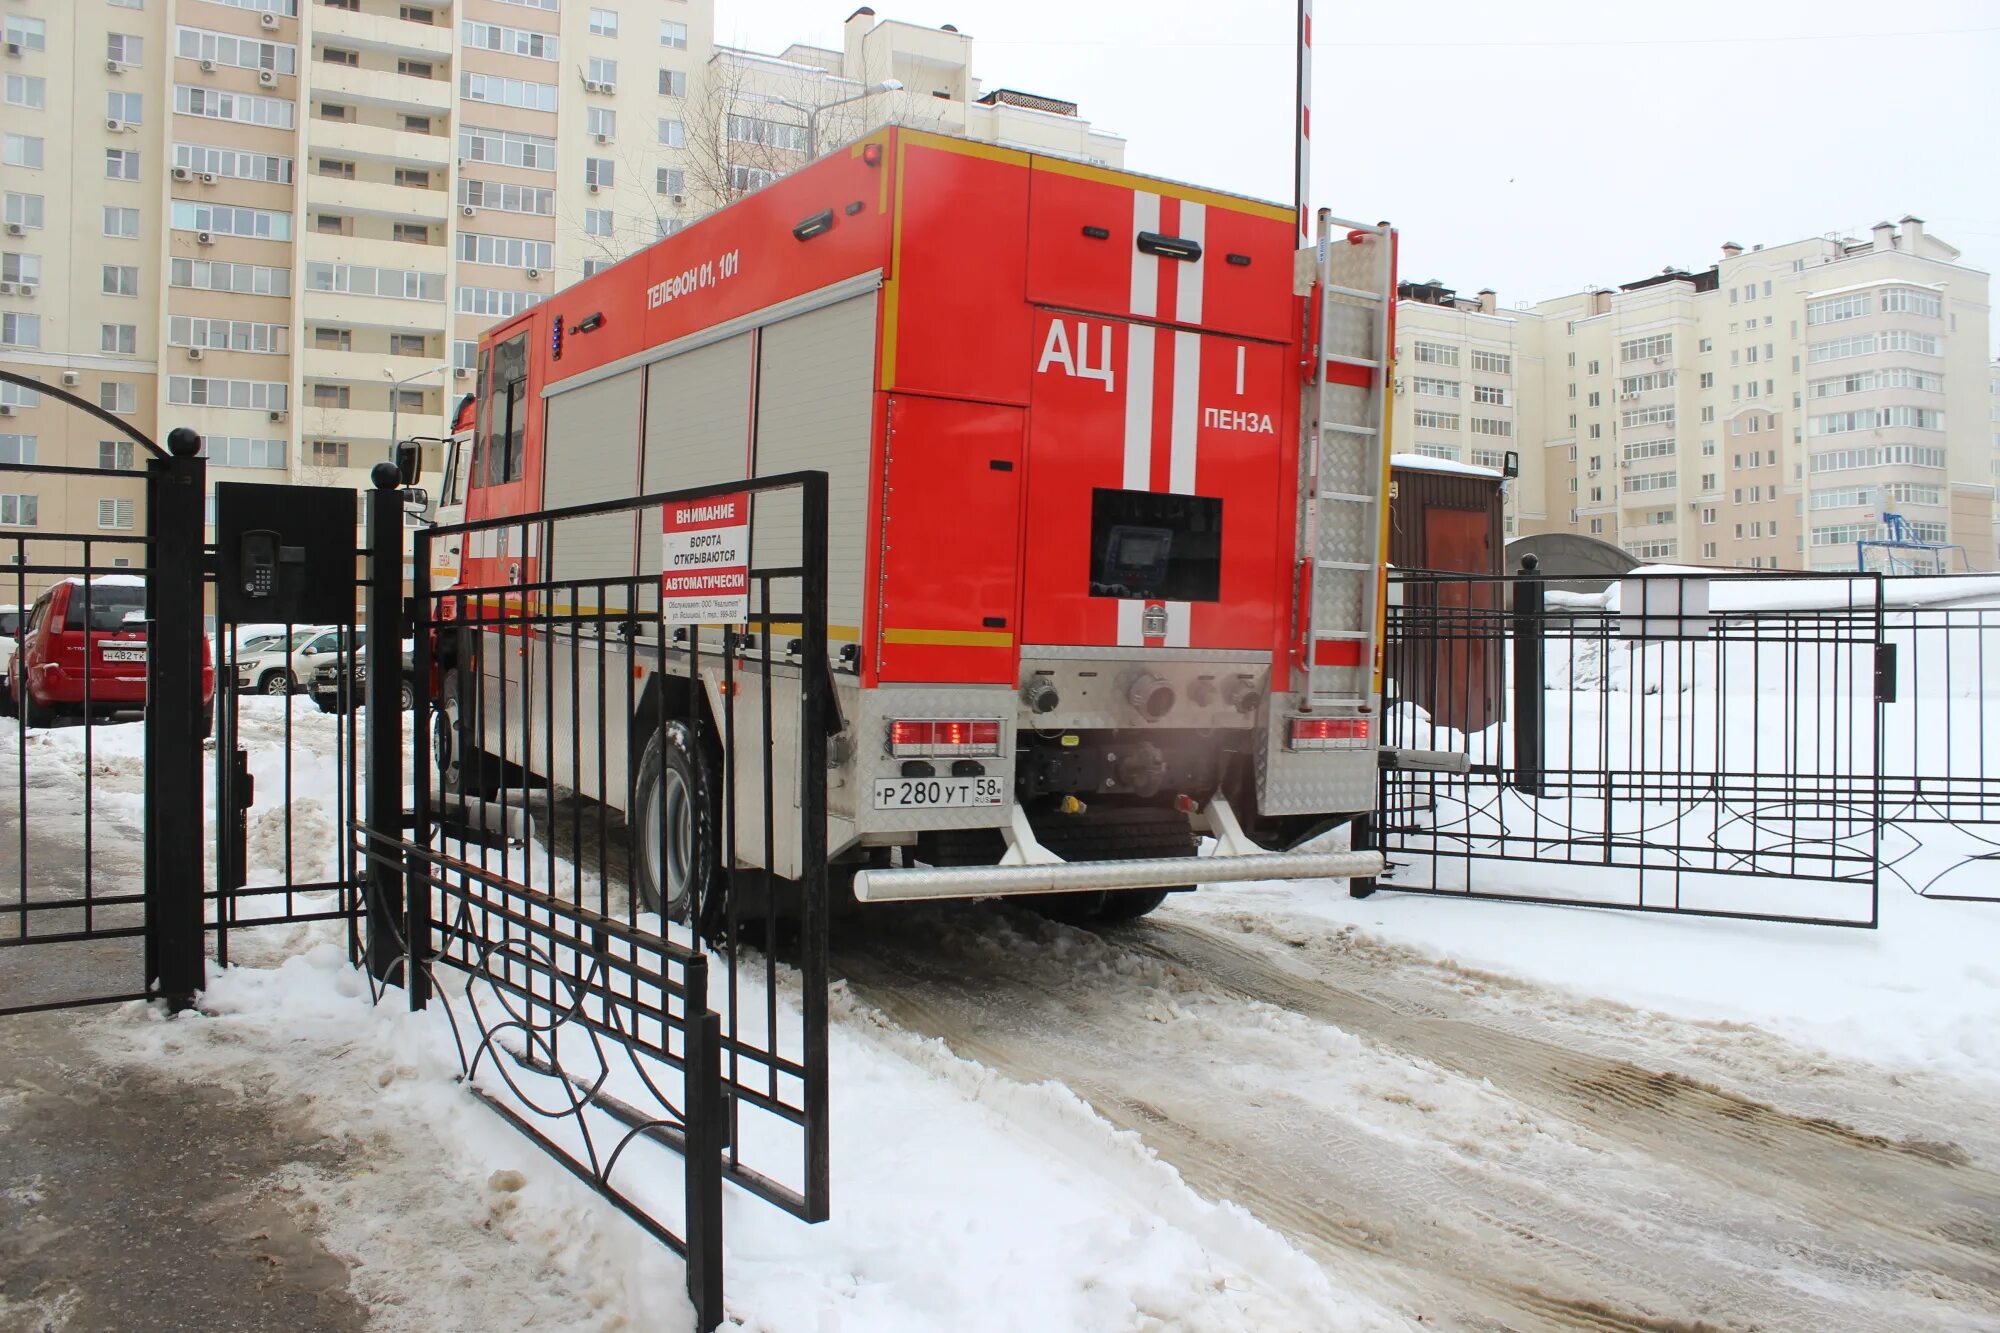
(1690, 743)
(606, 796)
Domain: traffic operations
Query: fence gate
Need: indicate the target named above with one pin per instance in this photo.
(101, 871)
(1699, 744)
(613, 874)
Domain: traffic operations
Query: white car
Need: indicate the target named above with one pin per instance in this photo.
(285, 665)
(10, 639)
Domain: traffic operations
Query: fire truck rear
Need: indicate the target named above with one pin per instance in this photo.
(1106, 462)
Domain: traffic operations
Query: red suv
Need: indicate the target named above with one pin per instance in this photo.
(101, 626)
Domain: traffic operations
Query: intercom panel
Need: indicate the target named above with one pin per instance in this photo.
(284, 554)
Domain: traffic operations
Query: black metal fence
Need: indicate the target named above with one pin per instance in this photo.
(1941, 735)
(609, 793)
(1691, 743)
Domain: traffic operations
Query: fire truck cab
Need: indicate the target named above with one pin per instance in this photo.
(1106, 462)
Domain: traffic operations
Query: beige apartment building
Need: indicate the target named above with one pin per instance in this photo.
(1766, 412)
(284, 223)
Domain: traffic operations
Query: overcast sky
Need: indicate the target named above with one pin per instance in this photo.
(1537, 146)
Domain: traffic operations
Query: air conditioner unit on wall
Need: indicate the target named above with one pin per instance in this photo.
(16, 229)
(204, 238)
(183, 174)
(71, 378)
(13, 48)
(113, 67)
(461, 372)
(267, 20)
(594, 187)
(267, 78)
(6, 409)
(534, 273)
(194, 354)
(208, 67)
(278, 415)
(469, 211)
(208, 178)
(115, 126)
(6, 289)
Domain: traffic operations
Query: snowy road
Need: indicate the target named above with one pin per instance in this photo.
(1467, 1152)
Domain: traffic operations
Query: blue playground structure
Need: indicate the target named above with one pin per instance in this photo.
(1902, 552)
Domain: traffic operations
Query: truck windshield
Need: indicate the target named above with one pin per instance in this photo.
(104, 608)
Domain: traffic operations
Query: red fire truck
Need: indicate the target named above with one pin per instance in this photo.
(1106, 460)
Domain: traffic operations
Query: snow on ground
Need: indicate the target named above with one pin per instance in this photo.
(962, 1199)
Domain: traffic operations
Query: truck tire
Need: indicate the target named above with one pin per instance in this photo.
(464, 769)
(676, 863)
(1113, 834)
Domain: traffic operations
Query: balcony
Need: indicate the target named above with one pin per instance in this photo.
(381, 32)
(331, 367)
(378, 87)
(401, 255)
(347, 423)
(370, 143)
(376, 199)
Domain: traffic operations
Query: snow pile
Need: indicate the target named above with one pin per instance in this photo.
(962, 1200)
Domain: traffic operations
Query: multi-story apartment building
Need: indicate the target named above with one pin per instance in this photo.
(755, 117)
(1765, 412)
(285, 222)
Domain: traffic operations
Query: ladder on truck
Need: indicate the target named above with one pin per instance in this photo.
(1344, 467)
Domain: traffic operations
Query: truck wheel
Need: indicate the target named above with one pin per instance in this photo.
(674, 826)
(464, 769)
(1115, 834)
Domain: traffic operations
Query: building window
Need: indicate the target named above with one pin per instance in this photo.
(673, 34)
(19, 511)
(507, 198)
(600, 172)
(333, 340)
(512, 41)
(222, 220)
(120, 279)
(196, 391)
(413, 178)
(505, 251)
(1437, 354)
(329, 166)
(410, 400)
(601, 121)
(597, 222)
(326, 453)
(23, 269)
(1912, 301)
(121, 222)
(27, 32)
(411, 233)
(494, 301)
(233, 163)
(1638, 349)
(246, 279)
(272, 112)
(602, 71)
(335, 56)
(744, 179)
(28, 91)
(115, 455)
(24, 211)
(119, 396)
(21, 150)
(416, 124)
(17, 330)
(1430, 420)
(1489, 393)
(1596, 398)
(239, 451)
(507, 148)
(1448, 452)
(228, 335)
(18, 449)
(242, 52)
(1492, 363)
(408, 344)
(1662, 415)
(672, 133)
(1434, 388)
(522, 93)
(603, 23)
(770, 133)
(670, 180)
(116, 514)
(1490, 426)
(331, 395)
(418, 14)
(1836, 309)
(1706, 345)
(416, 69)
(673, 83)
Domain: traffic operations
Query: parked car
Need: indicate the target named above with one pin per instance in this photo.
(10, 635)
(282, 666)
(341, 684)
(102, 627)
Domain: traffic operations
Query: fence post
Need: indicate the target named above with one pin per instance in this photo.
(382, 750)
(1530, 672)
(176, 950)
(701, 1100)
(416, 871)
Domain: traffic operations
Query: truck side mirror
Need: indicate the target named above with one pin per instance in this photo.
(410, 463)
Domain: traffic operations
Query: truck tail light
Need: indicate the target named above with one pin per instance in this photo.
(911, 740)
(1330, 733)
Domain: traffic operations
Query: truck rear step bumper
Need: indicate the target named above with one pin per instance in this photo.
(925, 882)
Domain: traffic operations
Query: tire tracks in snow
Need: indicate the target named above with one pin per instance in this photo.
(1460, 1169)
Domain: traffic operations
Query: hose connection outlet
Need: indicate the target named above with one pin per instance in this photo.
(1151, 697)
(1040, 696)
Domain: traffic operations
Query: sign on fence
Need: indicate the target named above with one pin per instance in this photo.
(705, 560)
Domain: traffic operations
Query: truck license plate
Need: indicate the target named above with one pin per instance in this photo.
(125, 654)
(928, 793)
